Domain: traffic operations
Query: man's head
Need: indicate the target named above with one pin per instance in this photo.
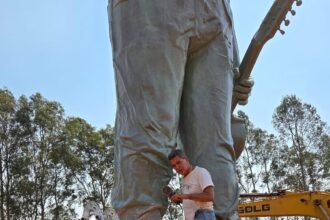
(179, 161)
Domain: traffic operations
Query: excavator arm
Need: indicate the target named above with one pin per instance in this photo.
(283, 203)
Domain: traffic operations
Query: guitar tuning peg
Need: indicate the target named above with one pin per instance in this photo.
(293, 12)
(298, 2)
(281, 31)
(286, 22)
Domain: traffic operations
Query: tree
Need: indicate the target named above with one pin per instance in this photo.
(259, 168)
(33, 176)
(247, 176)
(303, 134)
(91, 162)
(48, 162)
(265, 155)
(22, 132)
(47, 121)
(324, 157)
(7, 112)
(62, 193)
(15, 137)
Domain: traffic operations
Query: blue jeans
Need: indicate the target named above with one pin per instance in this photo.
(204, 214)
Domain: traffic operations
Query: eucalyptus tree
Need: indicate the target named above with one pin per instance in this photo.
(258, 168)
(246, 164)
(62, 195)
(15, 133)
(21, 192)
(303, 135)
(266, 155)
(47, 123)
(91, 162)
(7, 112)
(104, 172)
(324, 157)
(49, 162)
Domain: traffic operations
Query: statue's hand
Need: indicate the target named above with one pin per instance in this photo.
(242, 90)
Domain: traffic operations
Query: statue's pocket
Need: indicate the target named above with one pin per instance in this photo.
(117, 2)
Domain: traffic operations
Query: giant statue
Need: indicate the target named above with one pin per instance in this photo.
(174, 63)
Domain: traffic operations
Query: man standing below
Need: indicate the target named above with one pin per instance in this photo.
(197, 189)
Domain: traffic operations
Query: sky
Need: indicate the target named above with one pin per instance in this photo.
(62, 50)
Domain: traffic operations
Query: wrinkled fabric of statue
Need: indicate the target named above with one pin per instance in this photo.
(173, 62)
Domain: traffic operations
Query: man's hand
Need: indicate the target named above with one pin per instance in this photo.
(177, 198)
(242, 90)
(206, 196)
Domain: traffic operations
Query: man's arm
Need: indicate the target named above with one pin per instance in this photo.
(206, 196)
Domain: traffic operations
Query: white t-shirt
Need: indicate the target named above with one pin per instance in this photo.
(195, 182)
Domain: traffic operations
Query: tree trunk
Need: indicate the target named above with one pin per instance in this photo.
(2, 199)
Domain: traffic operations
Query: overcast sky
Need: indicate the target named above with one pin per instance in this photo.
(61, 49)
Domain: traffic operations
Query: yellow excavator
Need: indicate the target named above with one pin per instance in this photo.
(284, 203)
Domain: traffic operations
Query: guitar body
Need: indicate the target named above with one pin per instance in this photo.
(239, 134)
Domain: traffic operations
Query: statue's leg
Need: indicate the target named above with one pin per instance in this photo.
(206, 110)
(149, 68)
(205, 123)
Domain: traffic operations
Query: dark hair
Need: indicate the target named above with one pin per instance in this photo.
(176, 152)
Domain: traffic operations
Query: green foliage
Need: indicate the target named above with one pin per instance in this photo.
(303, 132)
(49, 163)
(91, 162)
(297, 159)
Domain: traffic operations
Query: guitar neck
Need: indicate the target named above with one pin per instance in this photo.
(266, 31)
(246, 66)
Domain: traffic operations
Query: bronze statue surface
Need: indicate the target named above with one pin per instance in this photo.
(174, 64)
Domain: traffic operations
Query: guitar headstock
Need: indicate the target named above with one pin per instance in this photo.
(272, 22)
